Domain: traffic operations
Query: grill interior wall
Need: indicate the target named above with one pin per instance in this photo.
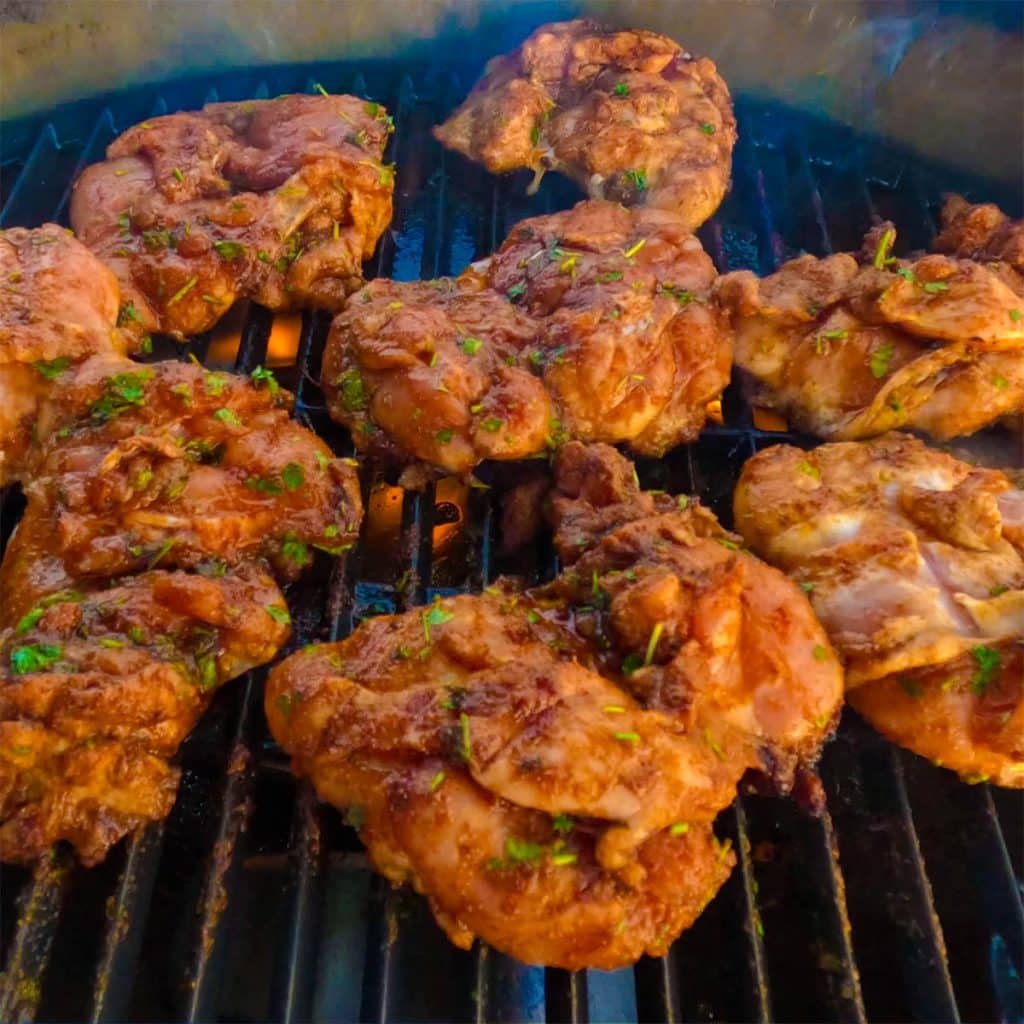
(251, 902)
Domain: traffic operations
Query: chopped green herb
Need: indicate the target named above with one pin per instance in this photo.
(227, 416)
(906, 273)
(707, 128)
(278, 614)
(631, 663)
(121, 392)
(292, 476)
(516, 290)
(261, 376)
(998, 590)
(353, 392)
(535, 135)
(613, 709)
(652, 643)
(884, 247)
(492, 424)
(320, 89)
(467, 743)
(808, 470)
(627, 737)
(51, 369)
(256, 483)
(613, 275)
(521, 851)
(294, 550)
(182, 291)
(1015, 315)
(176, 171)
(229, 250)
(28, 620)
(444, 436)
(680, 828)
(999, 381)
(682, 502)
(34, 657)
(807, 588)
(563, 858)
(726, 543)
(989, 662)
(880, 359)
(562, 824)
(128, 314)
(637, 177)
(161, 552)
(622, 89)
(435, 615)
(933, 287)
(111, 642)
(820, 653)
(471, 346)
(635, 248)
(435, 782)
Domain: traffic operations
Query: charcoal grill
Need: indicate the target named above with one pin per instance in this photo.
(902, 901)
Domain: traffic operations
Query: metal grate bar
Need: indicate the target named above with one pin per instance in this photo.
(34, 195)
(27, 961)
(127, 916)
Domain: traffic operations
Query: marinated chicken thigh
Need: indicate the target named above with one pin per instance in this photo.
(43, 271)
(171, 464)
(628, 115)
(914, 562)
(848, 350)
(558, 755)
(592, 323)
(277, 200)
(981, 232)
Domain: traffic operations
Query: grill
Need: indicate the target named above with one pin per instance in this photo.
(902, 901)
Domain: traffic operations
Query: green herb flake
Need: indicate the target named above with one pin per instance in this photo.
(627, 737)
(182, 291)
(353, 392)
(562, 824)
(435, 782)
(881, 357)
(227, 417)
(492, 424)
(652, 643)
(294, 550)
(51, 369)
(680, 828)
(444, 436)
(34, 657)
(229, 250)
(516, 291)
(631, 663)
(613, 275)
(112, 643)
(466, 748)
(471, 346)
(292, 476)
(934, 287)
(622, 89)
(820, 653)
(989, 662)
(808, 470)
(521, 851)
(884, 247)
(807, 588)
(726, 543)
(637, 177)
(707, 128)
(1015, 315)
(278, 614)
(128, 314)
(635, 248)
(29, 619)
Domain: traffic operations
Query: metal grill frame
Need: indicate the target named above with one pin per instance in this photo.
(901, 901)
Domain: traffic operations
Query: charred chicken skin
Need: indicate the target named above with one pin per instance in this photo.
(162, 502)
(915, 565)
(44, 270)
(848, 349)
(981, 231)
(545, 766)
(628, 115)
(277, 200)
(592, 323)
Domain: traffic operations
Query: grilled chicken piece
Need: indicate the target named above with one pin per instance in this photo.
(981, 232)
(915, 563)
(592, 323)
(170, 464)
(849, 350)
(556, 755)
(100, 684)
(628, 115)
(277, 200)
(43, 270)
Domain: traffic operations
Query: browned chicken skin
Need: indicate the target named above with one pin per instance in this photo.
(915, 565)
(849, 350)
(592, 323)
(42, 271)
(275, 200)
(980, 232)
(545, 766)
(627, 114)
(160, 498)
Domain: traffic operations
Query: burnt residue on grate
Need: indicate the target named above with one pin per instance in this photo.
(253, 902)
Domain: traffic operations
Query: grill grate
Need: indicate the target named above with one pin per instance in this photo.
(252, 902)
